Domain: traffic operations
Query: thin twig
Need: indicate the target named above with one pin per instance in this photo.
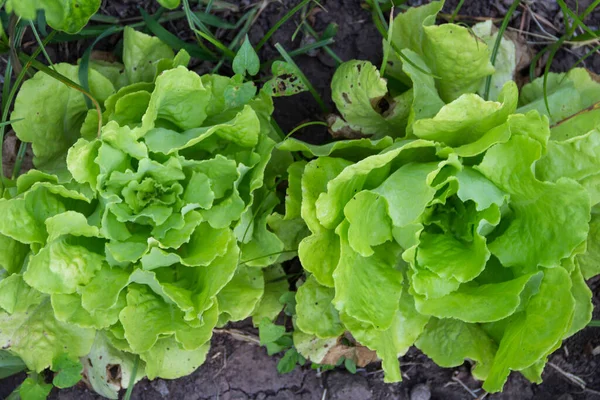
(472, 393)
(571, 377)
(239, 335)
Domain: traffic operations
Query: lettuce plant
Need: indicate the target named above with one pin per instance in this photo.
(138, 238)
(468, 227)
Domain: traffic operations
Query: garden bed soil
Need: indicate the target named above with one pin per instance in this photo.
(240, 369)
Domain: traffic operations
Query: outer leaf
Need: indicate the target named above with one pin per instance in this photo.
(468, 118)
(357, 89)
(590, 260)
(64, 15)
(61, 268)
(140, 54)
(577, 158)
(532, 333)
(459, 59)
(37, 337)
(408, 33)
(449, 342)
(508, 165)
(389, 344)
(485, 303)
(315, 313)
(243, 292)
(276, 285)
(367, 289)
(168, 360)
(13, 253)
(52, 113)
(98, 362)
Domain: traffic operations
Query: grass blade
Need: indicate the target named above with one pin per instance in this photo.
(8, 101)
(302, 77)
(386, 48)
(327, 49)
(61, 78)
(505, 21)
(132, 379)
(283, 20)
(456, 11)
(304, 125)
(311, 46)
(156, 28)
(84, 64)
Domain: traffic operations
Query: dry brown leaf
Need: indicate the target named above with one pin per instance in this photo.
(361, 355)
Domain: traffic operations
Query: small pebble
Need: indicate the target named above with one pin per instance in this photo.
(420, 392)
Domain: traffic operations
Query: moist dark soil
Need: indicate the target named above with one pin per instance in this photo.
(240, 370)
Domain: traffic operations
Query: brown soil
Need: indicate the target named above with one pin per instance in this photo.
(241, 370)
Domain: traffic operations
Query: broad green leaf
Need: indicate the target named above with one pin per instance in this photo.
(243, 128)
(357, 89)
(315, 313)
(68, 371)
(560, 210)
(81, 161)
(276, 285)
(147, 317)
(475, 304)
(530, 334)
(469, 117)
(64, 15)
(460, 59)
(169, 360)
(315, 180)
(179, 100)
(19, 224)
(239, 297)
(13, 253)
(69, 223)
(140, 55)
(68, 308)
(393, 342)
(52, 113)
(449, 342)
(37, 337)
(426, 101)
(16, 295)
(408, 34)
(61, 268)
(583, 303)
(589, 262)
(577, 158)
(320, 254)
(34, 389)
(567, 95)
(269, 332)
(10, 364)
(246, 60)
(367, 288)
(369, 222)
(448, 257)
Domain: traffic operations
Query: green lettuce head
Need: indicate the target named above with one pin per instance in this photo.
(136, 241)
(470, 235)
